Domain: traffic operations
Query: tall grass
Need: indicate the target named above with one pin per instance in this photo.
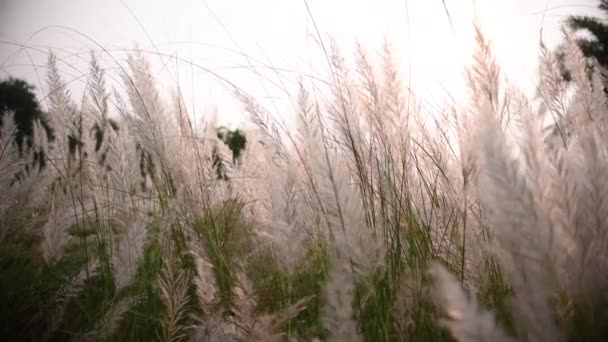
(369, 221)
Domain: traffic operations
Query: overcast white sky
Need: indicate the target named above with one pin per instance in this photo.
(216, 34)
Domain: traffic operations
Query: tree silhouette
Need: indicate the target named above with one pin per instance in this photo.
(17, 97)
(593, 46)
(236, 141)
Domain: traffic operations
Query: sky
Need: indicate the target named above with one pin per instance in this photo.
(263, 46)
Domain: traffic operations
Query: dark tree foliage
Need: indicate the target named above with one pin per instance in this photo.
(236, 142)
(593, 46)
(17, 97)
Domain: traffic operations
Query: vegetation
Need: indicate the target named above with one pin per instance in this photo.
(18, 99)
(368, 222)
(594, 40)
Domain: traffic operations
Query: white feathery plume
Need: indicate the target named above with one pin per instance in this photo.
(465, 319)
(524, 239)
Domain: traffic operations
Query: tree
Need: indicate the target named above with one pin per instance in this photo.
(235, 140)
(17, 97)
(595, 45)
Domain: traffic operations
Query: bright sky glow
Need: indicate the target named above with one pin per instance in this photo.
(219, 34)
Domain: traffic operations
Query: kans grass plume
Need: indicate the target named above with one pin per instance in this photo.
(326, 231)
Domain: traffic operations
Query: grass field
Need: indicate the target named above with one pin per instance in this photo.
(370, 221)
